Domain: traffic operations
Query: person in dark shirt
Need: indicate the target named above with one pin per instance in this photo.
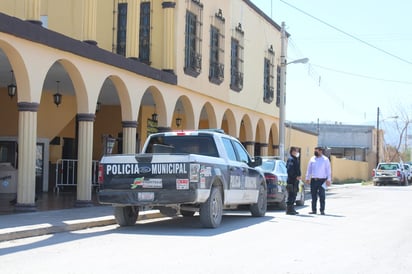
(294, 176)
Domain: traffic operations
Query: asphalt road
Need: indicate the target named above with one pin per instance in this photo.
(366, 229)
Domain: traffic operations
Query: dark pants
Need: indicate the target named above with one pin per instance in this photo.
(292, 189)
(317, 189)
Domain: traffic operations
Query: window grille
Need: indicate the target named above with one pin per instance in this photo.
(121, 28)
(236, 59)
(217, 48)
(193, 38)
(268, 89)
(144, 32)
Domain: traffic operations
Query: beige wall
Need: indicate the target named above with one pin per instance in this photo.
(343, 169)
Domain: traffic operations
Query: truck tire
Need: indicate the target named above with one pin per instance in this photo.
(212, 210)
(126, 215)
(259, 209)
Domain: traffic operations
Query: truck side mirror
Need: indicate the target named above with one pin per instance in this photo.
(257, 161)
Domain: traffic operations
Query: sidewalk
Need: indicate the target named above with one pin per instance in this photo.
(22, 225)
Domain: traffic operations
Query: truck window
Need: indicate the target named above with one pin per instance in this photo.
(230, 151)
(242, 154)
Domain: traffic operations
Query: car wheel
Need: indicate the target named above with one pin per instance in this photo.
(259, 209)
(212, 210)
(301, 201)
(126, 215)
(186, 213)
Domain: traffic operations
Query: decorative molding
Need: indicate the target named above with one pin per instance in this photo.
(129, 124)
(28, 106)
(86, 117)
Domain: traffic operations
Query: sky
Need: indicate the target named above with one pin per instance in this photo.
(360, 58)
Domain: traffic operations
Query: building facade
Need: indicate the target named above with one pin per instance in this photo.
(74, 74)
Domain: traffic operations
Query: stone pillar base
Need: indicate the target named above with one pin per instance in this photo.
(25, 207)
(83, 203)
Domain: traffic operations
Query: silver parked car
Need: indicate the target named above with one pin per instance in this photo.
(275, 172)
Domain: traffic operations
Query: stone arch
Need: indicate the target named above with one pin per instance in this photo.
(229, 124)
(207, 117)
(184, 111)
(260, 139)
(273, 140)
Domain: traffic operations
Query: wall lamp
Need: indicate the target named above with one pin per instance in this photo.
(154, 114)
(12, 88)
(57, 97)
(178, 119)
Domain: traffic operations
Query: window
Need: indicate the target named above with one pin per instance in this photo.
(236, 59)
(217, 44)
(121, 28)
(144, 33)
(243, 156)
(268, 90)
(193, 40)
(231, 154)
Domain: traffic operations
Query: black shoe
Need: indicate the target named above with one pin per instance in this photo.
(322, 213)
(291, 213)
(312, 212)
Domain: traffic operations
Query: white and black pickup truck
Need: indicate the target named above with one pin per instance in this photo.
(183, 172)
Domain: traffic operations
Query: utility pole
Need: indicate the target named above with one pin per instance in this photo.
(282, 93)
(377, 138)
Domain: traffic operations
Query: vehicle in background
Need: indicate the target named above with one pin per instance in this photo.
(276, 175)
(408, 172)
(389, 173)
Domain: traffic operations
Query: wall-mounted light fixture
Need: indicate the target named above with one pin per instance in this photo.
(12, 88)
(178, 119)
(57, 97)
(154, 114)
(98, 106)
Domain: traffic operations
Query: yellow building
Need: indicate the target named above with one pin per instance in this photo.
(86, 70)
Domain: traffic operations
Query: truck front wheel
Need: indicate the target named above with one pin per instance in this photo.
(212, 210)
(126, 215)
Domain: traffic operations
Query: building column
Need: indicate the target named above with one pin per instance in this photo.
(26, 174)
(89, 21)
(85, 159)
(250, 147)
(264, 149)
(133, 29)
(129, 137)
(169, 35)
(32, 10)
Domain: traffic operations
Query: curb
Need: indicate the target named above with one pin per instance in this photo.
(72, 225)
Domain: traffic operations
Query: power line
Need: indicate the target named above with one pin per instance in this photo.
(348, 34)
(362, 76)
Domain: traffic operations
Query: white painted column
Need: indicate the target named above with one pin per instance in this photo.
(26, 181)
(32, 11)
(133, 29)
(169, 35)
(89, 21)
(129, 137)
(85, 159)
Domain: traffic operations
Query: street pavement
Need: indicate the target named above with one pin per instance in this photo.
(23, 225)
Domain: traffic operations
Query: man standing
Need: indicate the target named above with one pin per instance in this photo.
(293, 167)
(318, 175)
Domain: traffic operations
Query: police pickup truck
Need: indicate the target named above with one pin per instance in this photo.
(183, 172)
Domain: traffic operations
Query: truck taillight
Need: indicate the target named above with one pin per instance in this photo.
(373, 173)
(398, 173)
(100, 177)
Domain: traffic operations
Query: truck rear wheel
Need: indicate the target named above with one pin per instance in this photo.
(212, 210)
(259, 209)
(126, 215)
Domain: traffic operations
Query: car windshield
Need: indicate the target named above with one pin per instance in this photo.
(268, 165)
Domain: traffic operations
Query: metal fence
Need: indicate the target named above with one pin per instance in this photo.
(66, 173)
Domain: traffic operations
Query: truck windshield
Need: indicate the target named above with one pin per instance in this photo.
(203, 145)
